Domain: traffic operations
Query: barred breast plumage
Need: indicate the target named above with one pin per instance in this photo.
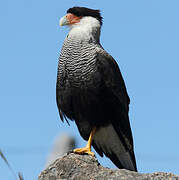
(77, 62)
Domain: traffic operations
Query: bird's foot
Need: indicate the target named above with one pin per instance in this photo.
(84, 150)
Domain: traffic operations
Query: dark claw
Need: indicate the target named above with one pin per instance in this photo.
(69, 152)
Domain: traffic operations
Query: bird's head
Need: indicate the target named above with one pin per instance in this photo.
(80, 15)
(83, 21)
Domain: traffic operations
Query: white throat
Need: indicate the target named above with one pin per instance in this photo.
(87, 29)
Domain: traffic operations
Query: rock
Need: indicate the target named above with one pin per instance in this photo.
(84, 167)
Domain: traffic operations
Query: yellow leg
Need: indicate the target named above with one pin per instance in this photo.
(87, 149)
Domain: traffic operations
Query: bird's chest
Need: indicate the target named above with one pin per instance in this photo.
(79, 79)
(78, 83)
(77, 65)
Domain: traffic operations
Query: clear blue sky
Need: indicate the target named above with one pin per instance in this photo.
(143, 37)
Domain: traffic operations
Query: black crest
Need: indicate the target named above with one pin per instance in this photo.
(82, 11)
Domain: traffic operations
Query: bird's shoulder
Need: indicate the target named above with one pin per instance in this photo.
(111, 74)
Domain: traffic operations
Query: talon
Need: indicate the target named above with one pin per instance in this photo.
(84, 150)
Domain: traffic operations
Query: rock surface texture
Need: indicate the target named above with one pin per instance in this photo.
(85, 167)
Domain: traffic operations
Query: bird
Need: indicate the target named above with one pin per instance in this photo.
(90, 90)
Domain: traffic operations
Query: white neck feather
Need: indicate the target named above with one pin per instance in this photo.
(87, 29)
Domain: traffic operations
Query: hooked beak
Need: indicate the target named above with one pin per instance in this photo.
(64, 21)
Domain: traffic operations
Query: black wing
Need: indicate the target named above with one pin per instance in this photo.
(115, 140)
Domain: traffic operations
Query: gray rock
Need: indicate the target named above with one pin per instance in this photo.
(85, 167)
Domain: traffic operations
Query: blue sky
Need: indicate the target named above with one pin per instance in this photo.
(143, 37)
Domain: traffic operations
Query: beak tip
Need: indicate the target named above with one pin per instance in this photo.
(60, 23)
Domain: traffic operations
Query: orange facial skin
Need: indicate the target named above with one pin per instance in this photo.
(72, 18)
